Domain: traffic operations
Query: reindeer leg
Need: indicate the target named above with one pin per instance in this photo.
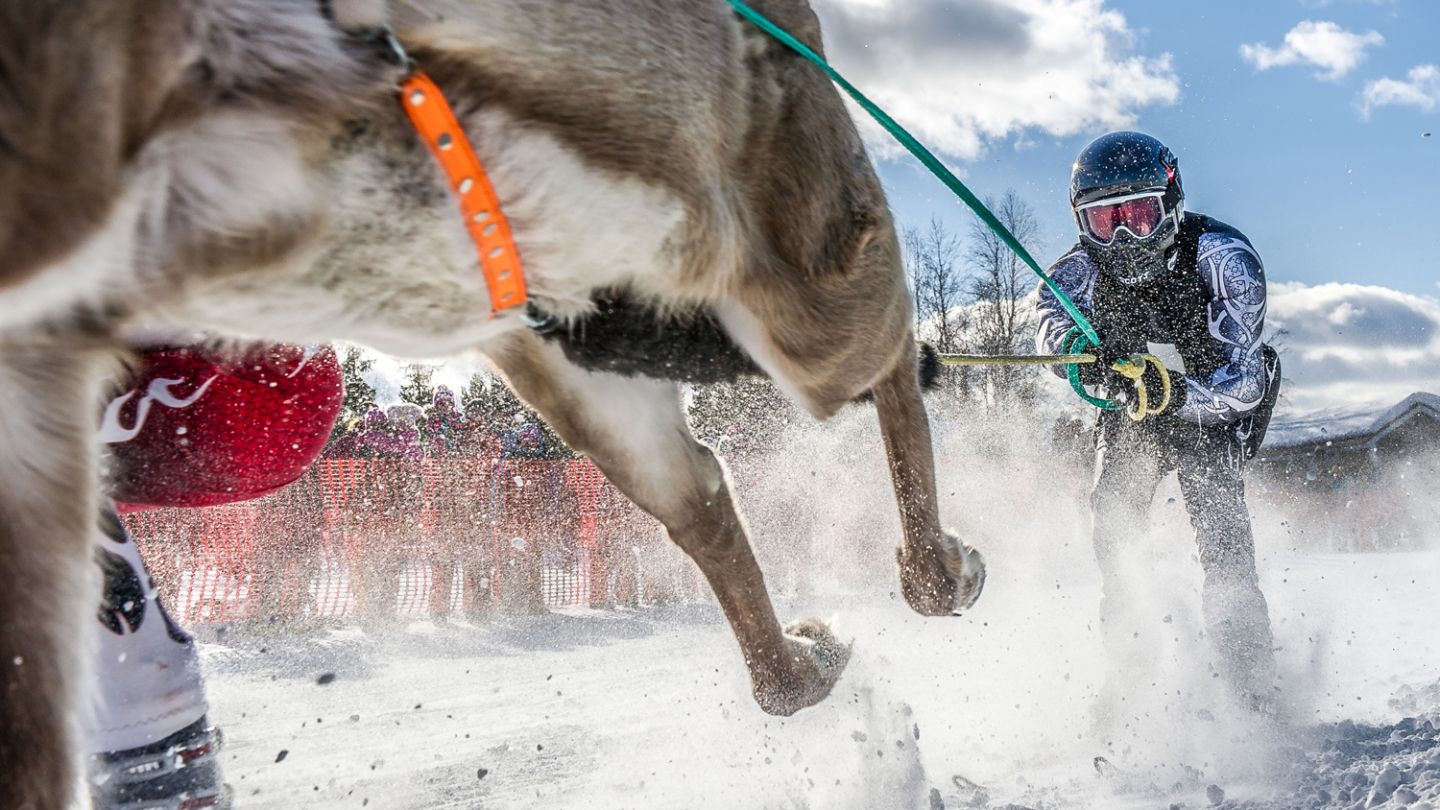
(48, 511)
(634, 430)
(939, 575)
(824, 346)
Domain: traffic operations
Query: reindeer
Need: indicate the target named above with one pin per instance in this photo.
(242, 168)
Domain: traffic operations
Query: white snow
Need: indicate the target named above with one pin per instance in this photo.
(650, 707)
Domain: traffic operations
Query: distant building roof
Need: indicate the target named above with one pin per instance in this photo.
(1362, 424)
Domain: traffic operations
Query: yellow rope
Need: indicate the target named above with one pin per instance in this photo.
(1016, 359)
(1132, 368)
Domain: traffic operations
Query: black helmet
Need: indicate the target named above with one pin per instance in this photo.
(1127, 199)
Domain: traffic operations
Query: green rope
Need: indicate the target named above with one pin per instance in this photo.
(1075, 342)
(925, 157)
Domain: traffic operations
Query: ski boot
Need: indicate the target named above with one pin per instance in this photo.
(180, 772)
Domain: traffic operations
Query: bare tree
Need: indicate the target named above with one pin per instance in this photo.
(930, 259)
(999, 284)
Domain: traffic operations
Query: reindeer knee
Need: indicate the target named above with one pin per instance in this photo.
(703, 520)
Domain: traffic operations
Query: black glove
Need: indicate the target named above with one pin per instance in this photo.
(1156, 387)
(1099, 372)
(1125, 390)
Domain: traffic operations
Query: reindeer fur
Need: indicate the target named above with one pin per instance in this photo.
(623, 336)
(240, 168)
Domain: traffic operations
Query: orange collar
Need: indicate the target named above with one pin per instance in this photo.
(435, 122)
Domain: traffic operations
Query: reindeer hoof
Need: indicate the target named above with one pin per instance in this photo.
(942, 580)
(971, 579)
(814, 659)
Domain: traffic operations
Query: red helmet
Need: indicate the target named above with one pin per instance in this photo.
(196, 429)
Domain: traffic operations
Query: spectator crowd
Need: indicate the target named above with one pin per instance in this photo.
(500, 427)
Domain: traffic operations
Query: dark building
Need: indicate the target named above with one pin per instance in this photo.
(1356, 479)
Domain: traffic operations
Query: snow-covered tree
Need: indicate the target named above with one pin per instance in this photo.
(741, 416)
(419, 387)
(478, 390)
(359, 394)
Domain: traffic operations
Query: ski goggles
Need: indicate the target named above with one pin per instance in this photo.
(1140, 214)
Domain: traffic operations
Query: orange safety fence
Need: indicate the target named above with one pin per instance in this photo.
(386, 538)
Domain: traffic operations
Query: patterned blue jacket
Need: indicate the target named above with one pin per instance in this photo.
(1210, 306)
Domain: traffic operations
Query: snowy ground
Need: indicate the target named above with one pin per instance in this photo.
(649, 708)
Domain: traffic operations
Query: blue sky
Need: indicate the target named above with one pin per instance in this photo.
(1301, 122)
(1287, 153)
(1264, 103)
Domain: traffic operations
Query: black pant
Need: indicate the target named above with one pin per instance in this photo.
(1131, 458)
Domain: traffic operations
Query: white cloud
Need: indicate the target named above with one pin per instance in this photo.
(962, 73)
(1342, 345)
(1349, 344)
(1319, 43)
(1328, 3)
(1421, 89)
